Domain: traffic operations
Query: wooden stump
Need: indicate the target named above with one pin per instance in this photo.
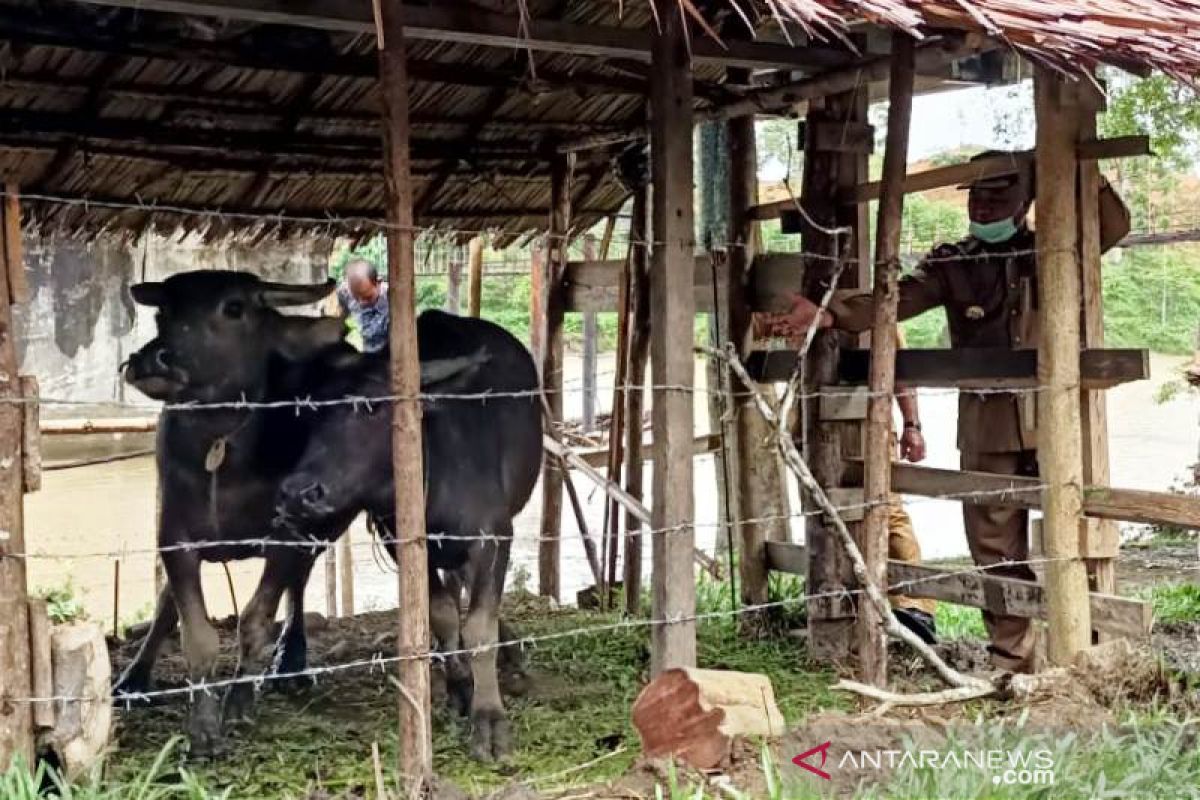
(81, 730)
(694, 714)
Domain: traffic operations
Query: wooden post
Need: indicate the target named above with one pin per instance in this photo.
(331, 604)
(475, 278)
(416, 733)
(828, 177)
(635, 396)
(872, 642)
(758, 473)
(1099, 538)
(16, 722)
(713, 177)
(454, 270)
(552, 368)
(537, 299)
(345, 561)
(1060, 451)
(590, 334)
(673, 311)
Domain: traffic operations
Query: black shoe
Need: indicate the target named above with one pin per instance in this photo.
(918, 622)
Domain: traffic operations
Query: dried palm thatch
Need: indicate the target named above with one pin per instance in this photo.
(1072, 35)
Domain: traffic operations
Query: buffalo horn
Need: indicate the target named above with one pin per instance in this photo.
(294, 294)
(147, 294)
(443, 369)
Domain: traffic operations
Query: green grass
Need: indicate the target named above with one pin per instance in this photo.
(959, 622)
(1174, 602)
(577, 712)
(62, 605)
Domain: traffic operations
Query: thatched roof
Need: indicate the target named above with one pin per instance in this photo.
(266, 111)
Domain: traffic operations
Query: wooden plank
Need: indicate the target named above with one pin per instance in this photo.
(16, 723)
(331, 596)
(787, 557)
(673, 311)
(598, 456)
(1119, 615)
(41, 664)
(416, 734)
(844, 137)
(844, 403)
(1060, 449)
(849, 501)
(872, 641)
(14, 255)
(471, 25)
(82, 426)
(995, 368)
(551, 341)
(955, 174)
(31, 440)
(595, 285)
(1099, 502)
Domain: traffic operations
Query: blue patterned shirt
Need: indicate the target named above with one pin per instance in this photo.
(372, 318)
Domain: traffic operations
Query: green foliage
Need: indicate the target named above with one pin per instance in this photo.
(959, 622)
(1156, 105)
(154, 782)
(62, 604)
(1174, 602)
(1152, 298)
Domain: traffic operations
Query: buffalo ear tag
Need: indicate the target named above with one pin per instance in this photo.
(216, 455)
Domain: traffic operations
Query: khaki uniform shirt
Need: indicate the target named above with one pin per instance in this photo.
(990, 296)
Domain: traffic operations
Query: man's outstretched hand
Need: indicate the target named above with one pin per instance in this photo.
(794, 323)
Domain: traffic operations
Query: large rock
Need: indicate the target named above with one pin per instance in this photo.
(695, 714)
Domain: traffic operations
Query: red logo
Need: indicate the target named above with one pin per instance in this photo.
(823, 749)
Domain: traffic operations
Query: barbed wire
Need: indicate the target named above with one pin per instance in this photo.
(368, 402)
(315, 544)
(379, 661)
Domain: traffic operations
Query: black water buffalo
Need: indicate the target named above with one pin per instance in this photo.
(482, 455)
(221, 343)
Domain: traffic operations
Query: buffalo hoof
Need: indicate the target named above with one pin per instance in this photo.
(460, 687)
(204, 728)
(491, 738)
(239, 703)
(134, 681)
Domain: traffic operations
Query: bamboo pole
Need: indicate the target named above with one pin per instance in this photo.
(611, 529)
(16, 723)
(673, 310)
(331, 595)
(872, 645)
(590, 334)
(635, 396)
(475, 276)
(1060, 451)
(416, 733)
(550, 545)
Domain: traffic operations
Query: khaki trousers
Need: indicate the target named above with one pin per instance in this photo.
(997, 534)
(903, 546)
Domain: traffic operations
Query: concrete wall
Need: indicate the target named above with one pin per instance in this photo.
(81, 322)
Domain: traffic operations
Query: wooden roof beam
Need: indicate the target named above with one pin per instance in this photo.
(468, 25)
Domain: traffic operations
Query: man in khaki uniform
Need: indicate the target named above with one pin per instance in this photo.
(988, 285)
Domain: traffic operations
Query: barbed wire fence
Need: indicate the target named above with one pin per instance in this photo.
(368, 404)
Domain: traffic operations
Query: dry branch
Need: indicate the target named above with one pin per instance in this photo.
(796, 463)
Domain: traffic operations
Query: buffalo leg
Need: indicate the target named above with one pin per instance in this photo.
(137, 677)
(201, 645)
(445, 623)
(291, 653)
(254, 625)
(490, 736)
